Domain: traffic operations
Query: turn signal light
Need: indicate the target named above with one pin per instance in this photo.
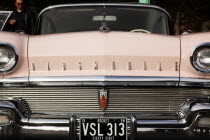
(4, 120)
(203, 122)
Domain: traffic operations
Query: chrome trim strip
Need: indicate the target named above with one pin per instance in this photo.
(157, 122)
(49, 121)
(18, 81)
(47, 128)
(182, 79)
(105, 4)
(104, 81)
(194, 82)
(14, 80)
(201, 106)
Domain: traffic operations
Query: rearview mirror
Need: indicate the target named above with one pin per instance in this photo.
(104, 18)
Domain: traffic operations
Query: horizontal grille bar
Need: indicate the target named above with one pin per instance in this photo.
(120, 100)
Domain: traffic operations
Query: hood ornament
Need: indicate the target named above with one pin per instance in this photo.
(104, 29)
(103, 99)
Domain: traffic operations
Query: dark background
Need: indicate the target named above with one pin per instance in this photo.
(185, 14)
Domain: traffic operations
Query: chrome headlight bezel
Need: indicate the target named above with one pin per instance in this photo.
(193, 58)
(14, 50)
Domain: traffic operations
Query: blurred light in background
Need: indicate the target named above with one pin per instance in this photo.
(144, 1)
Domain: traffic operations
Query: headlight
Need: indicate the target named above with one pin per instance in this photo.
(200, 58)
(8, 57)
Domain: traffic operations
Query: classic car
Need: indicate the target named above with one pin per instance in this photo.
(104, 71)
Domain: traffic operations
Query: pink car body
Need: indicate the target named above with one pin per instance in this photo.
(147, 81)
(164, 56)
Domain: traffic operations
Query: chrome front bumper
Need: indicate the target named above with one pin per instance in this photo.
(24, 124)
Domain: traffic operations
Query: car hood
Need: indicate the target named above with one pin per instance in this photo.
(104, 54)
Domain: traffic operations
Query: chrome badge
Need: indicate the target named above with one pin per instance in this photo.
(103, 99)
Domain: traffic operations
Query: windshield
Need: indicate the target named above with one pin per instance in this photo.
(92, 18)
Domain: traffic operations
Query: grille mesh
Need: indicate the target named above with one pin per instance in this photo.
(121, 100)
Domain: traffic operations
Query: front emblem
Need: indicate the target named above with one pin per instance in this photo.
(103, 99)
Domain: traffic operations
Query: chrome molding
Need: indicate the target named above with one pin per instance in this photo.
(104, 81)
(201, 106)
(19, 81)
(193, 82)
(47, 128)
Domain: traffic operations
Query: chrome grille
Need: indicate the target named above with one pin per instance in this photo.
(121, 100)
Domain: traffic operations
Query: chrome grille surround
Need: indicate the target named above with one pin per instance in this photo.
(65, 100)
